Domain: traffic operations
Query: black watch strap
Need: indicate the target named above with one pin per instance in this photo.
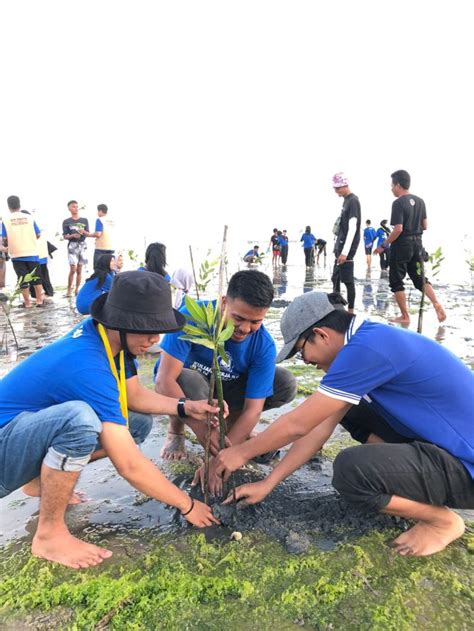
(181, 408)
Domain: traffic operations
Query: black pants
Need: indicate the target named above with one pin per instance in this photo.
(46, 281)
(345, 273)
(368, 475)
(284, 254)
(405, 258)
(384, 259)
(308, 257)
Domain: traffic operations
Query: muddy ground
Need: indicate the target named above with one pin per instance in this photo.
(302, 516)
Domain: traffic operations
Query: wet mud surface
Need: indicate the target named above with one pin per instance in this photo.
(304, 509)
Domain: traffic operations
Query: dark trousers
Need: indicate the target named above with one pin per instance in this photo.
(368, 475)
(308, 257)
(284, 254)
(345, 273)
(405, 258)
(196, 386)
(46, 282)
(384, 259)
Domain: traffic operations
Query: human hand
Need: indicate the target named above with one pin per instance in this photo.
(199, 410)
(378, 250)
(200, 430)
(229, 460)
(215, 481)
(341, 259)
(201, 515)
(248, 494)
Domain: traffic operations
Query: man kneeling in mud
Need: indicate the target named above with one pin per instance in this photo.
(79, 399)
(250, 381)
(408, 399)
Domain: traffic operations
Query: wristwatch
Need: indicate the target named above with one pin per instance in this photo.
(181, 407)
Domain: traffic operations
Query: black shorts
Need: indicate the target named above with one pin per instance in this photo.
(368, 248)
(368, 475)
(22, 268)
(405, 258)
(343, 273)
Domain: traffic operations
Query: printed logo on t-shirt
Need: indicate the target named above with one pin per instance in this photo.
(78, 332)
(412, 201)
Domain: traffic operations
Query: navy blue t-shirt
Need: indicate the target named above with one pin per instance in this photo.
(254, 356)
(74, 368)
(404, 376)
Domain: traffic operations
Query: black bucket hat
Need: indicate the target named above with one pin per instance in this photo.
(138, 302)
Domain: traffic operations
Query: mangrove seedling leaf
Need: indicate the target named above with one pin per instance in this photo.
(223, 354)
(198, 340)
(226, 334)
(195, 331)
(197, 313)
(210, 315)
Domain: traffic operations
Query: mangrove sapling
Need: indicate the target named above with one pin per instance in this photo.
(206, 327)
(7, 306)
(435, 260)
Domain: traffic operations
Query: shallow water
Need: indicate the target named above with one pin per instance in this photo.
(305, 508)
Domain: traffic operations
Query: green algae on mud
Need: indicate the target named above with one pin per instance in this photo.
(254, 583)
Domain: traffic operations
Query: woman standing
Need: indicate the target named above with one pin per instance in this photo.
(309, 240)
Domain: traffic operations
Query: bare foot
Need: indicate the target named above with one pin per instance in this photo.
(400, 320)
(174, 448)
(427, 538)
(68, 550)
(33, 489)
(440, 312)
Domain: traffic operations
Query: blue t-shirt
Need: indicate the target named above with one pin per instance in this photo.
(34, 259)
(143, 268)
(369, 236)
(90, 291)
(254, 357)
(252, 253)
(282, 240)
(308, 240)
(421, 389)
(381, 236)
(74, 368)
(99, 226)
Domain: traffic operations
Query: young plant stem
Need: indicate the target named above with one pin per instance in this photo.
(422, 301)
(9, 323)
(194, 271)
(207, 448)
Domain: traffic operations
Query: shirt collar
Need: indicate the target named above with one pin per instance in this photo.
(356, 322)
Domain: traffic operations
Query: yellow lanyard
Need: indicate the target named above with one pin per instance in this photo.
(122, 388)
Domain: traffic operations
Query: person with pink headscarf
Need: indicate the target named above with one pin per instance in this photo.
(347, 238)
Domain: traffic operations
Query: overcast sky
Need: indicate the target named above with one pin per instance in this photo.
(182, 116)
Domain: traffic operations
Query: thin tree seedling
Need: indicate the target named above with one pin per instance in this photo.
(207, 326)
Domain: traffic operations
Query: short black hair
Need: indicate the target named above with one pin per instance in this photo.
(255, 247)
(308, 229)
(103, 208)
(401, 177)
(73, 201)
(252, 287)
(13, 202)
(368, 221)
(338, 320)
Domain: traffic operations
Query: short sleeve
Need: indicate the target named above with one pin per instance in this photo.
(174, 346)
(397, 214)
(99, 227)
(37, 230)
(4, 232)
(65, 228)
(354, 208)
(356, 371)
(261, 372)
